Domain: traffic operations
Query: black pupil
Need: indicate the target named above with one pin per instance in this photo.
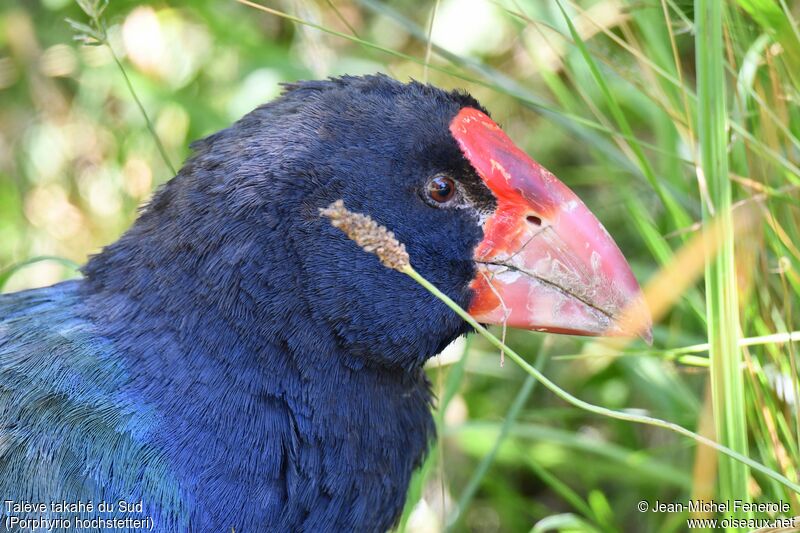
(441, 189)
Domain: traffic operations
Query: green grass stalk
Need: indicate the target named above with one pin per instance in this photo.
(727, 381)
(589, 407)
(6, 273)
(510, 419)
(96, 34)
(376, 239)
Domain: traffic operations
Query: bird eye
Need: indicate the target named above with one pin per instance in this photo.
(441, 189)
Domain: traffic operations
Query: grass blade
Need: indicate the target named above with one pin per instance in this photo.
(727, 383)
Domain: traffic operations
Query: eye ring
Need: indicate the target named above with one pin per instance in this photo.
(440, 189)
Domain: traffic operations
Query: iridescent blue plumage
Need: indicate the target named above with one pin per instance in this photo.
(233, 361)
(72, 429)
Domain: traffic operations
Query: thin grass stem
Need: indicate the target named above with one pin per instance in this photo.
(589, 407)
(722, 309)
(511, 417)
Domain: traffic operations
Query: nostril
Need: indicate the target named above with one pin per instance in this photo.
(533, 219)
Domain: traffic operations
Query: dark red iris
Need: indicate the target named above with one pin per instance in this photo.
(441, 189)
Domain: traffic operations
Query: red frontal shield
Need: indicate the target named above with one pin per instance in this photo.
(545, 262)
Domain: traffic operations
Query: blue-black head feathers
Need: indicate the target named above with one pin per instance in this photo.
(267, 372)
(285, 361)
(371, 141)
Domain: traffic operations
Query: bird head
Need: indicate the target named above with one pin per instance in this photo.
(480, 219)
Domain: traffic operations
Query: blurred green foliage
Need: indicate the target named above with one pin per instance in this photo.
(614, 116)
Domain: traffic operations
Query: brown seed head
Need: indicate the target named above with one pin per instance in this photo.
(369, 235)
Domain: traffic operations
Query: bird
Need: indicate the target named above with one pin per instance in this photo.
(234, 362)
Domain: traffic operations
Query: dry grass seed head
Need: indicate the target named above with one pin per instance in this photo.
(369, 235)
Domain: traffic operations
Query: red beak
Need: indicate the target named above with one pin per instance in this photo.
(545, 262)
